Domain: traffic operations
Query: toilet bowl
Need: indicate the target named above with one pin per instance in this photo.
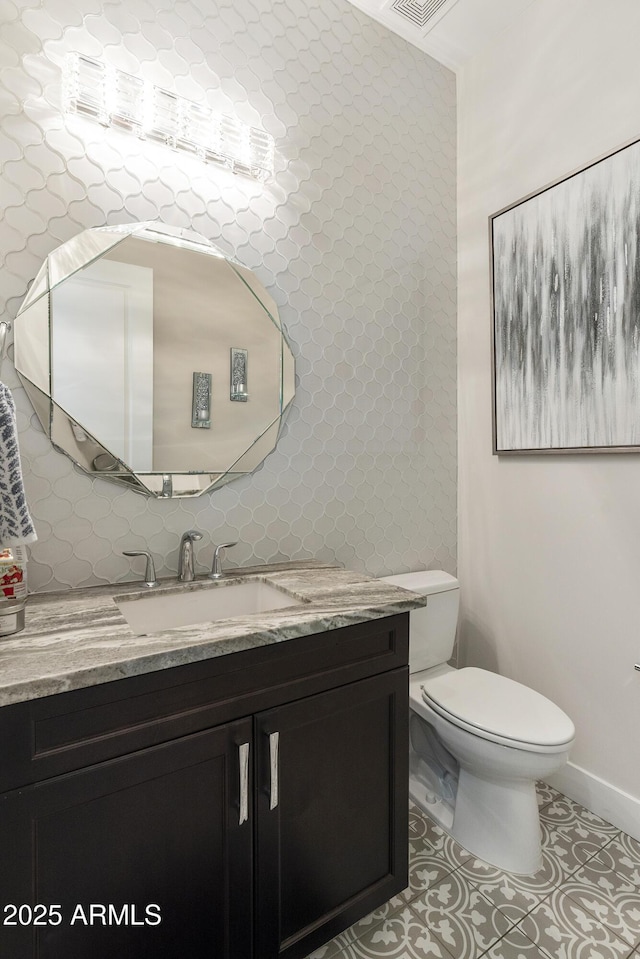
(478, 741)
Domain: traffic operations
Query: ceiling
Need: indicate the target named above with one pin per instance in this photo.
(451, 31)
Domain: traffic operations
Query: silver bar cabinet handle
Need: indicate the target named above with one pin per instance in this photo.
(243, 755)
(274, 742)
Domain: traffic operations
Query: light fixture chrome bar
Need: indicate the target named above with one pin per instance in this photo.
(99, 92)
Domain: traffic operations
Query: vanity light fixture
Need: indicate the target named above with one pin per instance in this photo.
(99, 92)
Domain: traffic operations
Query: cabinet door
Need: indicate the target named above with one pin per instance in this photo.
(102, 846)
(332, 810)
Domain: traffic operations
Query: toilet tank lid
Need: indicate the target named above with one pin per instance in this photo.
(424, 581)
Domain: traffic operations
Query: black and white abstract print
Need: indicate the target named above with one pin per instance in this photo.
(566, 276)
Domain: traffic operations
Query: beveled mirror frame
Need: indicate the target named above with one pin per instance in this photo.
(34, 361)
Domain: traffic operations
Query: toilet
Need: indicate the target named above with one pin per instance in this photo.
(478, 741)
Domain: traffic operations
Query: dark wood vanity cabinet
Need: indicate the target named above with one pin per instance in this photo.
(249, 807)
(152, 828)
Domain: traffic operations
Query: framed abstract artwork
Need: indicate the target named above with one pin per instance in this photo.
(565, 275)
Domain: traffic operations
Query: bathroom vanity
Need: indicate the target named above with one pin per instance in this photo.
(233, 789)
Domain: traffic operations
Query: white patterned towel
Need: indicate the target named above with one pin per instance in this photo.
(16, 525)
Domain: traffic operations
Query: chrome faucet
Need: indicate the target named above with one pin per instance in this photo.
(216, 568)
(186, 556)
(150, 570)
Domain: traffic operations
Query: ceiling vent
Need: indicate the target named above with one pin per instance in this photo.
(452, 31)
(418, 12)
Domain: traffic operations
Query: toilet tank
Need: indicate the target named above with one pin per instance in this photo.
(433, 628)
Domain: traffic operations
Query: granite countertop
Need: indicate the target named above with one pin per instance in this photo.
(79, 637)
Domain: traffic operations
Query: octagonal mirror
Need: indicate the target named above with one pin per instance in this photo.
(153, 360)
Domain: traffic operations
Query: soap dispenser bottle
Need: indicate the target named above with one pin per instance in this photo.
(13, 588)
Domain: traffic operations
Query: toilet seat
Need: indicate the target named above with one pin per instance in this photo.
(498, 709)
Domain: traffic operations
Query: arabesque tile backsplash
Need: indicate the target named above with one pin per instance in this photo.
(354, 238)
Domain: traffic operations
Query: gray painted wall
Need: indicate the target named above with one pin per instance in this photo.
(354, 238)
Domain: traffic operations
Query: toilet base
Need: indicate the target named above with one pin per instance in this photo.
(437, 810)
(499, 822)
(496, 822)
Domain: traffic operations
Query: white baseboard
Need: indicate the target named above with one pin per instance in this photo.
(600, 797)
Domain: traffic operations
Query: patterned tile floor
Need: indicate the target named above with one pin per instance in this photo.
(584, 903)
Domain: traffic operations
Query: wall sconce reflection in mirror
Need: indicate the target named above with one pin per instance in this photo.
(201, 407)
(239, 363)
(99, 92)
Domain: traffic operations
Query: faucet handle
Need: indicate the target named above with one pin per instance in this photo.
(216, 569)
(150, 569)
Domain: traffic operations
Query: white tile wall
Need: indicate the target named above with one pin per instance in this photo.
(354, 238)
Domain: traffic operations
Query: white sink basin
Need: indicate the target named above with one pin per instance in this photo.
(222, 601)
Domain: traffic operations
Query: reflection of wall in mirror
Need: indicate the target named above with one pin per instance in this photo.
(102, 356)
(288, 363)
(79, 445)
(201, 310)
